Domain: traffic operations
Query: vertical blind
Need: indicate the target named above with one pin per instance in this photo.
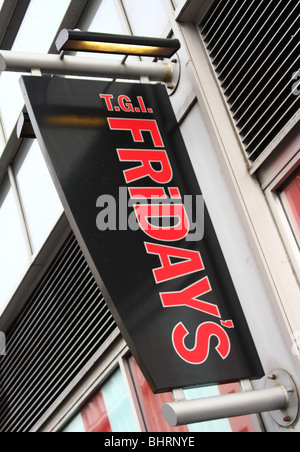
(64, 323)
(254, 49)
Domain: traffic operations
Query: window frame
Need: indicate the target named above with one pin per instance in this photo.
(188, 10)
(277, 208)
(285, 204)
(116, 358)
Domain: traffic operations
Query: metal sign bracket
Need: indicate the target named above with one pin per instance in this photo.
(280, 398)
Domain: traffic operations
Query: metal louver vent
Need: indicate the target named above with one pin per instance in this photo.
(254, 48)
(64, 323)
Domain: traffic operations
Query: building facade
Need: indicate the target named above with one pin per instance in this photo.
(66, 366)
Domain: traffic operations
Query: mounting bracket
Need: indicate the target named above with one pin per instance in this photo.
(280, 398)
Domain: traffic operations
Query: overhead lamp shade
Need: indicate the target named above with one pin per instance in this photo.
(73, 40)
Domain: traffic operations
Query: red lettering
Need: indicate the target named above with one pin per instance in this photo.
(169, 212)
(107, 98)
(147, 193)
(228, 324)
(142, 104)
(191, 262)
(188, 297)
(136, 127)
(125, 107)
(204, 335)
(153, 193)
(147, 158)
(167, 221)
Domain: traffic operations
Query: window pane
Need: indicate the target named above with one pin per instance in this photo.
(39, 198)
(151, 404)
(102, 17)
(152, 407)
(37, 32)
(11, 101)
(95, 417)
(40, 25)
(117, 404)
(75, 426)
(290, 197)
(147, 18)
(108, 411)
(14, 257)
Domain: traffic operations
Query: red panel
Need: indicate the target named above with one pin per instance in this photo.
(152, 404)
(95, 417)
(242, 424)
(291, 198)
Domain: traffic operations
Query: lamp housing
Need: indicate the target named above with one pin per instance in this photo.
(81, 41)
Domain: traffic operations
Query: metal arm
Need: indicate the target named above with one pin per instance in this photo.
(221, 407)
(86, 67)
(280, 398)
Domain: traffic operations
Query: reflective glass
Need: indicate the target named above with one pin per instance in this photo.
(41, 204)
(290, 197)
(40, 25)
(147, 18)
(102, 17)
(14, 258)
(151, 404)
(108, 411)
(11, 101)
(36, 34)
(75, 426)
(117, 404)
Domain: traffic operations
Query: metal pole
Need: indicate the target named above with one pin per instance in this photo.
(221, 407)
(85, 67)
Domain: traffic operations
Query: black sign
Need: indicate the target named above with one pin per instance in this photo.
(121, 168)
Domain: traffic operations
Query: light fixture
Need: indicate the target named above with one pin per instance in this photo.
(74, 40)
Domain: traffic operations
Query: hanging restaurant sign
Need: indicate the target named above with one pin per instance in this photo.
(121, 168)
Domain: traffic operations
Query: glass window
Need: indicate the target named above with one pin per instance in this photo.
(151, 406)
(75, 426)
(147, 18)
(37, 32)
(108, 411)
(290, 197)
(14, 257)
(41, 204)
(11, 101)
(40, 25)
(102, 17)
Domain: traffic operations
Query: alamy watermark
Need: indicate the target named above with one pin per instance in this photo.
(296, 84)
(157, 213)
(2, 344)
